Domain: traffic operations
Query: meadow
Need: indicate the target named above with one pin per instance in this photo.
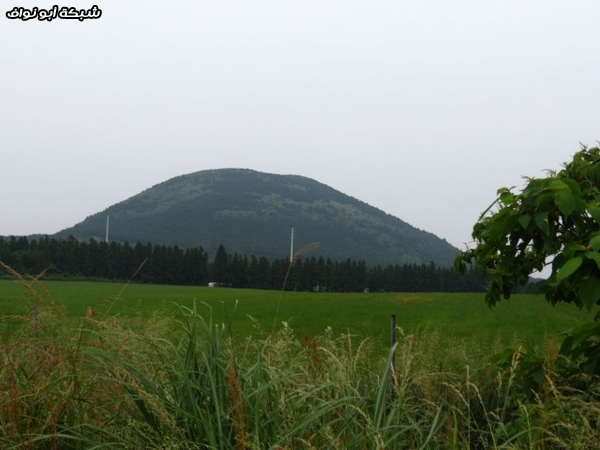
(108, 365)
(454, 317)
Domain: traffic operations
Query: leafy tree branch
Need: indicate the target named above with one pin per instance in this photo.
(557, 219)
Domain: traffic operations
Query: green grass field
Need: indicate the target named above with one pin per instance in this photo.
(452, 319)
(103, 365)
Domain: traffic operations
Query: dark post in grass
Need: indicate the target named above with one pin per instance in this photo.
(393, 338)
(393, 362)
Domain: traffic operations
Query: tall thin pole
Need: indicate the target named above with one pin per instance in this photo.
(107, 218)
(292, 246)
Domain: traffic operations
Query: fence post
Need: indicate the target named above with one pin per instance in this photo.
(393, 338)
(393, 361)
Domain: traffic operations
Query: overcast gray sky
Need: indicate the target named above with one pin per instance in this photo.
(422, 109)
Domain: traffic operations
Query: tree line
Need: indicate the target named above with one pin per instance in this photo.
(159, 264)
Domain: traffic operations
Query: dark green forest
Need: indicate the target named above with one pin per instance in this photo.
(160, 264)
(252, 213)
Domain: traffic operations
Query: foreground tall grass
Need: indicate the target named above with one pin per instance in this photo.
(190, 385)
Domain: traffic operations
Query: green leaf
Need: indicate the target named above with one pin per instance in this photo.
(589, 292)
(565, 202)
(507, 198)
(573, 247)
(543, 200)
(541, 220)
(595, 243)
(594, 256)
(525, 220)
(459, 264)
(569, 268)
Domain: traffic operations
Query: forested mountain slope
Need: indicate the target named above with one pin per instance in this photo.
(251, 212)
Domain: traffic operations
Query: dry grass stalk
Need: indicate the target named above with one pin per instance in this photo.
(238, 406)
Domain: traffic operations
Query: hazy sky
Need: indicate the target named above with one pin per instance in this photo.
(422, 109)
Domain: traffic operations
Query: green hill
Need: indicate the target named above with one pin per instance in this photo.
(252, 212)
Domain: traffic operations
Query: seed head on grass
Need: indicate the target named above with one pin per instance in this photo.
(303, 251)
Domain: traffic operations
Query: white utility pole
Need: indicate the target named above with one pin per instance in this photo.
(292, 246)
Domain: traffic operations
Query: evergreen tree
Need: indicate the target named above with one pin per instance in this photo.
(220, 266)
